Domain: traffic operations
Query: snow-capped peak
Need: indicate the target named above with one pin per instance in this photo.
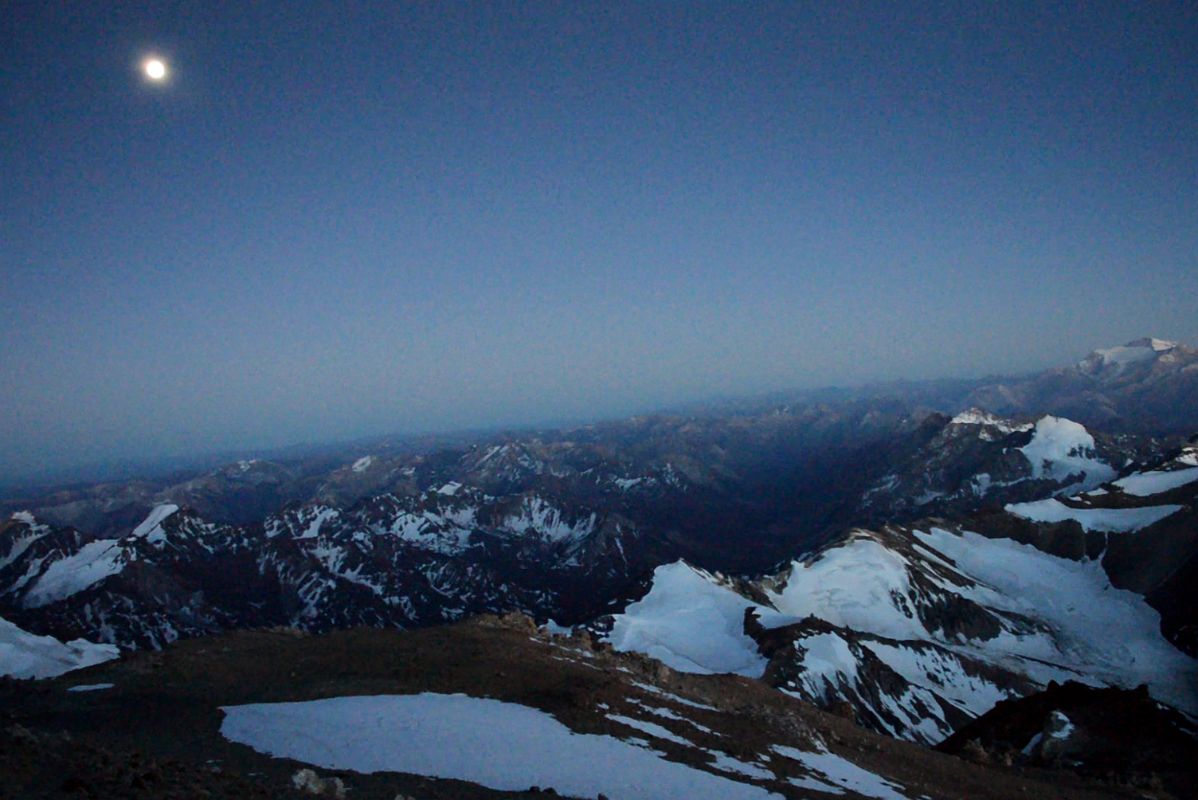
(1134, 352)
(1159, 345)
(151, 527)
(1060, 448)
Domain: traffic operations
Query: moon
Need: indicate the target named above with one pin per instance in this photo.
(155, 69)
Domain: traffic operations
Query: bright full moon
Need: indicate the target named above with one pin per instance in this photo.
(155, 69)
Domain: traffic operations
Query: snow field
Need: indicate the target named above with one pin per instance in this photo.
(1110, 520)
(500, 745)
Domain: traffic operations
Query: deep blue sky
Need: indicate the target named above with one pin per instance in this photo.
(345, 219)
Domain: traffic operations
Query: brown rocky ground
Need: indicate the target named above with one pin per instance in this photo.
(1117, 734)
(156, 732)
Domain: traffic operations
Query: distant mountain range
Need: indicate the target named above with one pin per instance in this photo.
(1146, 386)
(908, 565)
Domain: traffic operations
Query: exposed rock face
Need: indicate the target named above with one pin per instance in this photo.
(394, 562)
(871, 691)
(1121, 734)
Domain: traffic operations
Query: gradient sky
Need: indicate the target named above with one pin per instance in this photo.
(346, 219)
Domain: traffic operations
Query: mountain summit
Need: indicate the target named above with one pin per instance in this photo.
(1113, 360)
(1148, 385)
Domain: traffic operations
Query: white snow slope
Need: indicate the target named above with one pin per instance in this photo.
(26, 655)
(1060, 448)
(838, 772)
(151, 526)
(1146, 484)
(1109, 635)
(1112, 520)
(1081, 627)
(1089, 629)
(691, 623)
(93, 562)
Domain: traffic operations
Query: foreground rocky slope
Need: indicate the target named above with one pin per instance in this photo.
(1096, 731)
(170, 723)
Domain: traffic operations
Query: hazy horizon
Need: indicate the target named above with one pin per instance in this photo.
(337, 222)
(149, 463)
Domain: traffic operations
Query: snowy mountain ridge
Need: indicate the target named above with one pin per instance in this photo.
(1147, 385)
(921, 628)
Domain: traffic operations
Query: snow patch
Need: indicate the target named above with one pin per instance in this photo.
(837, 772)
(1060, 619)
(1111, 520)
(940, 672)
(826, 658)
(1144, 484)
(503, 746)
(860, 584)
(1060, 727)
(314, 524)
(19, 543)
(447, 532)
(651, 728)
(726, 763)
(540, 517)
(1120, 357)
(829, 671)
(151, 527)
(976, 416)
(673, 697)
(666, 713)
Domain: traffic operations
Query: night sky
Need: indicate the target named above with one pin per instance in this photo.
(346, 219)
